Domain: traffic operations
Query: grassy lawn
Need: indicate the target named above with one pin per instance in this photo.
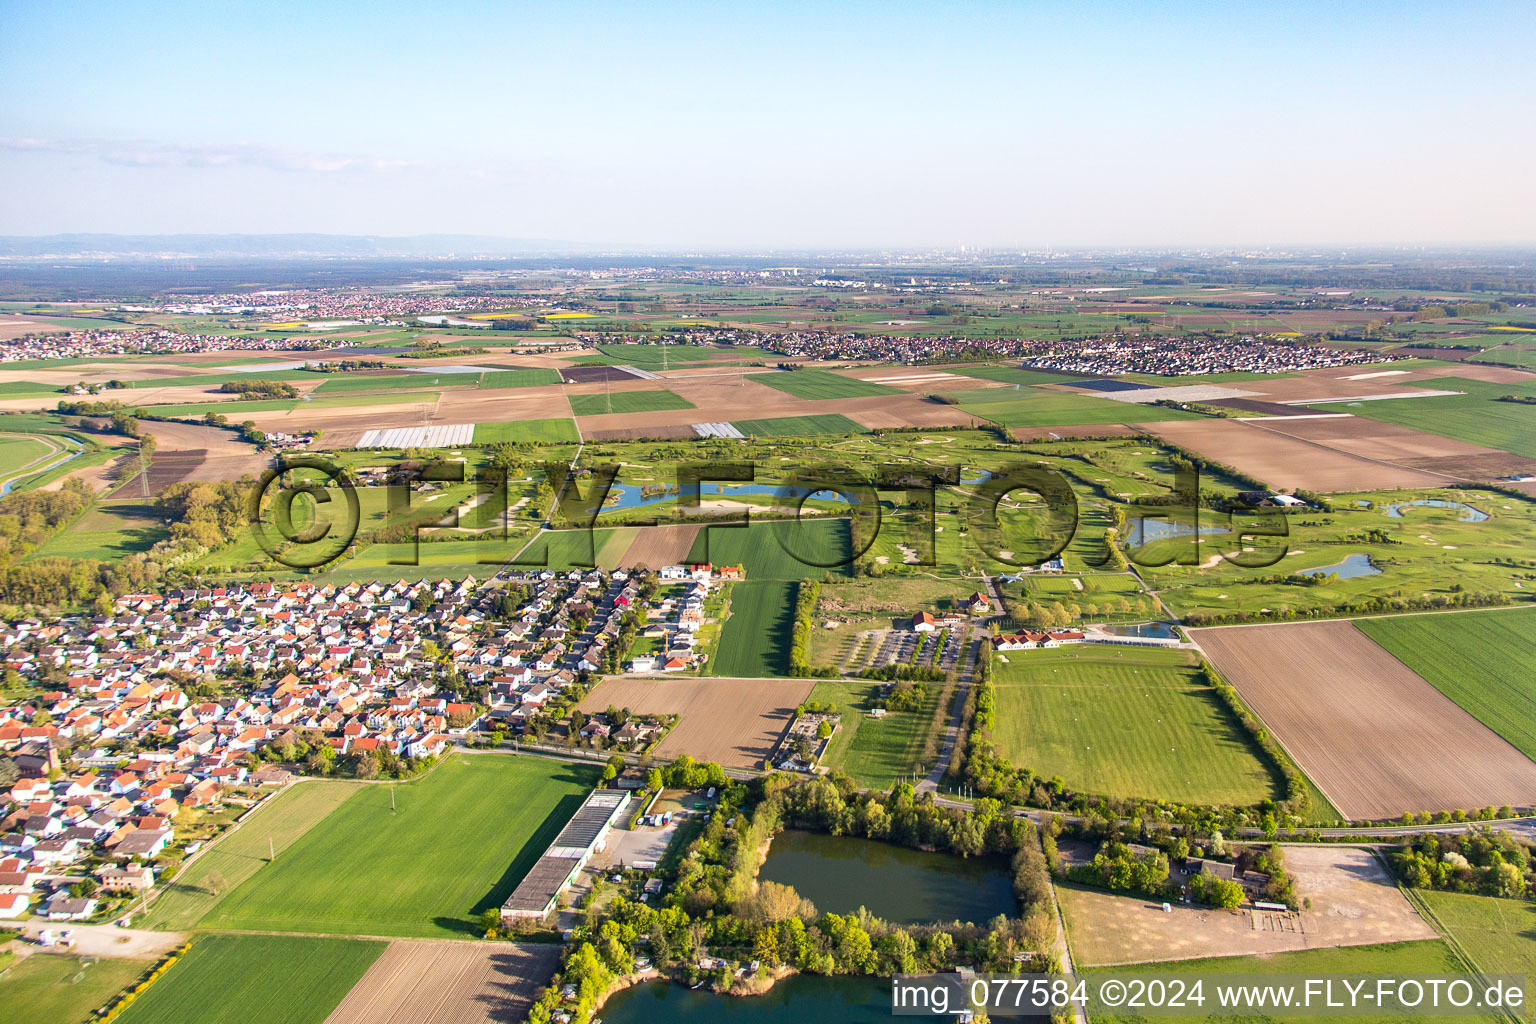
(627, 401)
(457, 842)
(756, 638)
(239, 854)
(1421, 959)
(1476, 416)
(526, 378)
(108, 531)
(1034, 407)
(1483, 661)
(278, 979)
(1125, 722)
(559, 429)
(63, 989)
(818, 384)
(875, 752)
(804, 426)
(1495, 933)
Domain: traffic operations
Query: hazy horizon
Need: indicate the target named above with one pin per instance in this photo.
(787, 126)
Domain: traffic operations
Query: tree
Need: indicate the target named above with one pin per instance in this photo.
(490, 921)
(1216, 892)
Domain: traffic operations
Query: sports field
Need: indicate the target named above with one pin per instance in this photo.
(455, 843)
(627, 402)
(1476, 416)
(1484, 661)
(234, 979)
(238, 854)
(875, 752)
(814, 385)
(63, 989)
(522, 431)
(1495, 933)
(1125, 722)
(534, 376)
(790, 426)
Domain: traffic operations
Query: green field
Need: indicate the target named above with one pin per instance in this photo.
(756, 638)
(526, 378)
(109, 531)
(1013, 375)
(1125, 722)
(390, 382)
(567, 549)
(233, 979)
(1476, 416)
(1033, 407)
(14, 388)
(627, 401)
(17, 452)
(456, 843)
(63, 989)
(875, 752)
(1496, 934)
(1423, 959)
(1484, 661)
(652, 357)
(803, 426)
(237, 855)
(768, 550)
(814, 385)
(557, 430)
(213, 380)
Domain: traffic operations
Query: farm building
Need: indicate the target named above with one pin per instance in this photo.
(583, 835)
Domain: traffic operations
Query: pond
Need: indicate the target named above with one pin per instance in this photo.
(1351, 567)
(801, 999)
(1159, 630)
(1145, 531)
(626, 496)
(1471, 515)
(840, 874)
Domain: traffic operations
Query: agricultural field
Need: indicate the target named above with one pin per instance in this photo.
(1126, 722)
(1014, 375)
(778, 550)
(799, 426)
(627, 402)
(371, 868)
(1036, 407)
(876, 752)
(566, 549)
(734, 722)
(1476, 416)
(558, 430)
(530, 377)
(756, 638)
(240, 853)
(108, 531)
(398, 381)
(814, 385)
(1484, 661)
(449, 983)
(229, 979)
(1359, 722)
(63, 989)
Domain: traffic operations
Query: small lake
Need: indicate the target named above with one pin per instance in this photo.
(1159, 630)
(802, 999)
(1145, 531)
(840, 874)
(630, 496)
(1470, 514)
(1351, 567)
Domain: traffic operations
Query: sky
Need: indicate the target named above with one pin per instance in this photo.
(775, 125)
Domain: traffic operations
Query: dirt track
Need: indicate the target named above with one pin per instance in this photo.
(448, 983)
(1376, 738)
(735, 722)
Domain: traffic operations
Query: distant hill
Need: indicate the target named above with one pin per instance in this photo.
(279, 246)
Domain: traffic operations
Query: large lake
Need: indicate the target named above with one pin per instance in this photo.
(840, 874)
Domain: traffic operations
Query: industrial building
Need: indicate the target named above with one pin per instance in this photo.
(583, 835)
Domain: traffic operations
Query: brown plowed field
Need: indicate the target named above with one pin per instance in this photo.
(735, 722)
(676, 431)
(449, 983)
(1287, 462)
(1376, 737)
(660, 545)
